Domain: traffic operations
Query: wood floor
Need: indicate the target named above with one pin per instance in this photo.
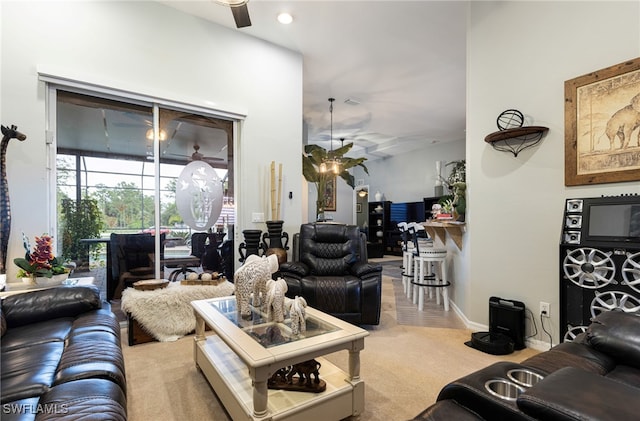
(433, 314)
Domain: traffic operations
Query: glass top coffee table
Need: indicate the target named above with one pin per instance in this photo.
(242, 354)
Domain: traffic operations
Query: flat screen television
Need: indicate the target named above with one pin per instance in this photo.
(614, 219)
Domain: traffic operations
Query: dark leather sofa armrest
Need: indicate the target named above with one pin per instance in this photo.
(615, 333)
(295, 270)
(361, 269)
(571, 394)
(37, 306)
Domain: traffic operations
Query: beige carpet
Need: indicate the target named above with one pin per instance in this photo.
(403, 366)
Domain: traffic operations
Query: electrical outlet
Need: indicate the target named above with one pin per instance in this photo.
(545, 309)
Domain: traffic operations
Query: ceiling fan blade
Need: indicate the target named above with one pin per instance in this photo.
(241, 16)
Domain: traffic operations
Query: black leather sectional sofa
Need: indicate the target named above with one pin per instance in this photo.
(594, 377)
(61, 357)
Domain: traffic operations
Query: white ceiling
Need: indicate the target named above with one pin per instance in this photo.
(403, 61)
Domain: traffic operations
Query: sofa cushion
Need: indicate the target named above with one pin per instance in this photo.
(329, 249)
(37, 306)
(571, 354)
(55, 330)
(615, 333)
(91, 359)
(28, 372)
(86, 400)
(96, 321)
(339, 294)
(574, 394)
(625, 374)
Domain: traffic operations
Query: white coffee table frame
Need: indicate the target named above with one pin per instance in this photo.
(238, 368)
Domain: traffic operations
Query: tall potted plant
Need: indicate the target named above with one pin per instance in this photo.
(313, 158)
(457, 183)
(80, 220)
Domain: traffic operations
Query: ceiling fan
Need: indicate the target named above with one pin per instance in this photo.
(197, 156)
(239, 10)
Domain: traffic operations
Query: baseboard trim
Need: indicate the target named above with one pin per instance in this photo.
(478, 327)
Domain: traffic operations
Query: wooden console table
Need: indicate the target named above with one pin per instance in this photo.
(440, 229)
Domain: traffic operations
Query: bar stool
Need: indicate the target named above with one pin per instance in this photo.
(433, 261)
(407, 259)
(414, 233)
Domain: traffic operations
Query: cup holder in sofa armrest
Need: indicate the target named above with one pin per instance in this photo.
(491, 401)
(503, 389)
(571, 393)
(524, 377)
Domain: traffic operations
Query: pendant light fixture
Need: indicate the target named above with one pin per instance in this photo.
(331, 163)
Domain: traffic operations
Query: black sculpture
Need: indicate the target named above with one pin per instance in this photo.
(298, 377)
(5, 206)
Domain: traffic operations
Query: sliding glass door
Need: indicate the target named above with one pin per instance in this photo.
(118, 165)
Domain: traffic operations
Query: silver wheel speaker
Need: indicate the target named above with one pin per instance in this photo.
(589, 268)
(631, 271)
(614, 300)
(573, 332)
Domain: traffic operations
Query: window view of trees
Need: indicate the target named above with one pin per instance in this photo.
(123, 193)
(106, 172)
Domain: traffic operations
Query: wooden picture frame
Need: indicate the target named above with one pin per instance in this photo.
(330, 195)
(602, 126)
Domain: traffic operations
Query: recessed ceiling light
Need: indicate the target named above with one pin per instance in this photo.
(285, 18)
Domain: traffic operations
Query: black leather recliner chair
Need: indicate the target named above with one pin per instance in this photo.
(331, 271)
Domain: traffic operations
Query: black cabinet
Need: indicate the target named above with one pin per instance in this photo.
(379, 224)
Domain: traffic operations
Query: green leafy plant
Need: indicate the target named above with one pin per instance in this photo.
(40, 261)
(458, 173)
(314, 156)
(447, 206)
(80, 220)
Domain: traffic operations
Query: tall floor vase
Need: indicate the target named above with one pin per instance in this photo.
(275, 235)
(250, 245)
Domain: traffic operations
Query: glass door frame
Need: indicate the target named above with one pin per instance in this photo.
(53, 83)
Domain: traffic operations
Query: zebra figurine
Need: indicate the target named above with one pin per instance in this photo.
(5, 206)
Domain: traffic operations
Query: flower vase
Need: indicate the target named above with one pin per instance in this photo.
(55, 280)
(251, 244)
(275, 235)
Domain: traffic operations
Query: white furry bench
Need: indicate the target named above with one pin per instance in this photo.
(166, 314)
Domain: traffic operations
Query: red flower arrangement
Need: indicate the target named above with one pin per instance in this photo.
(40, 262)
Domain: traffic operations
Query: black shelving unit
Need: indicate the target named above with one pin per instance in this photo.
(379, 223)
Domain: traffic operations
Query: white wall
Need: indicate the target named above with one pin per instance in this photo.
(519, 55)
(410, 177)
(152, 49)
